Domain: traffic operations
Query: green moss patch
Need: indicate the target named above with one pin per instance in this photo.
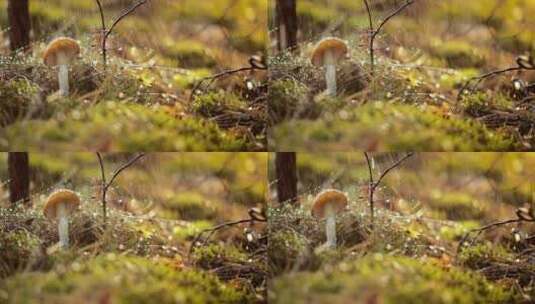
(387, 279)
(119, 126)
(387, 126)
(120, 279)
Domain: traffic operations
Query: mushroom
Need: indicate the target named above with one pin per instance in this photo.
(59, 205)
(326, 205)
(327, 53)
(60, 52)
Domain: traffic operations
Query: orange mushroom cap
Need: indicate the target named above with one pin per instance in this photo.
(67, 46)
(335, 199)
(337, 46)
(62, 196)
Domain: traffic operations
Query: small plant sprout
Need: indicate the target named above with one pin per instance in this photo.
(328, 52)
(60, 52)
(59, 206)
(326, 205)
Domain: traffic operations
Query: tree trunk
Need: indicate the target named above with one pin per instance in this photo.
(286, 22)
(286, 171)
(19, 177)
(19, 24)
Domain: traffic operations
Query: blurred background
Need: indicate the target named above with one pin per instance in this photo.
(155, 244)
(207, 187)
(472, 187)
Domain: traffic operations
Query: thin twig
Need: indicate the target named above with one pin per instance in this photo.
(103, 30)
(107, 184)
(370, 20)
(253, 217)
(107, 32)
(254, 64)
(103, 186)
(490, 226)
(480, 78)
(371, 188)
(376, 32)
(374, 184)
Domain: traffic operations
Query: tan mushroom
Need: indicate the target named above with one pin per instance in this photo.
(60, 52)
(59, 205)
(328, 52)
(326, 205)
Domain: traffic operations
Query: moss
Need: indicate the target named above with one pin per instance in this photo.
(387, 279)
(388, 126)
(104, 127)
(457, 230)
(213, 256)
(289, 99)
(185, 80)
(188, 53)
(482, 255)
(120, 279)
(17, 96)
(215, 103)
(456, 206)
(191, 230)
(479, 104)
(17, 248)
(458, 53)
(190, 205)
(287, 251)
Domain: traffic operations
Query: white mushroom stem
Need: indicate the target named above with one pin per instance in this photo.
(330, 227)
(63, 226)
(63, 74)
(330, 72)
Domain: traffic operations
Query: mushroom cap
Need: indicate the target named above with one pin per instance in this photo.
(330, 197)
(338, 47)
(69, 47)
(62, 196)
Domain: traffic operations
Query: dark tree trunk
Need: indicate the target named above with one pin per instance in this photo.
(286, 170)
(18, 14)
(19, 177)
(286, 22)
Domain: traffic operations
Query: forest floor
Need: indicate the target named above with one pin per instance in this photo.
(144, 99)
(423, 57)
(413, 252)
(147, 251)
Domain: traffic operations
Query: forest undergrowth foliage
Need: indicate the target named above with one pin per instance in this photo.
(414, 74)
(139, 247)
(149, 239)
(423, 245)
(152, 80)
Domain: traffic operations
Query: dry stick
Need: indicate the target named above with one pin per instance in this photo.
(103, 30)
(491, 226)
(252, 218)
(370, 20)
(106, 185)
(480, 78)
(253, 66)
(376, 32)
(374, 184)
(107, 33)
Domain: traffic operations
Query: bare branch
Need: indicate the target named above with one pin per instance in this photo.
(254, 216)
(480, 78)
(376, 32)
(103, 30)
(106, 185)
(107, 32)
(493, 225)
(374, 184)
(254, 64)
(371, 188)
